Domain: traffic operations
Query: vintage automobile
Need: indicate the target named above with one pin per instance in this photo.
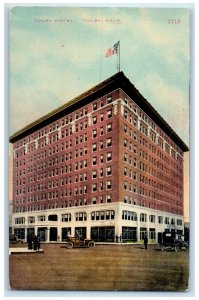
(78, 241)
(172, 241)
(13, 239)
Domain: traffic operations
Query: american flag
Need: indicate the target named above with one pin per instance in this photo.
(113, 50)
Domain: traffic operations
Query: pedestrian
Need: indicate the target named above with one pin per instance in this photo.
(145, 241)
(35, 242)
(120, 238)
(29, 241)
(38, 242)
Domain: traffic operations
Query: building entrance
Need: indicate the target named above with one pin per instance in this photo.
(30, 232)
(53, 234)
(129, 234)
(103, 234)
(42, 233)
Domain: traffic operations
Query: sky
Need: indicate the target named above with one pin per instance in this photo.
(56, 53)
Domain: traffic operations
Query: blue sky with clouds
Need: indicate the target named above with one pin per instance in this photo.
(56, 53)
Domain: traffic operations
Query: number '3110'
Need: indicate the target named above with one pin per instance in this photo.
(173, 21)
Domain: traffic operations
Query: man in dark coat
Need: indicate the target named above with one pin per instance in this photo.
(29, 241)
(35, 242)
(38, 242)
(145, 241)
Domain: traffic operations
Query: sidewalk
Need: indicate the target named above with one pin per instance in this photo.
(23, 250)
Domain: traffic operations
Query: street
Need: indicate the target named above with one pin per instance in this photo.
(102, 268)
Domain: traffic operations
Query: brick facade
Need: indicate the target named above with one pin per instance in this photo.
(96, 154)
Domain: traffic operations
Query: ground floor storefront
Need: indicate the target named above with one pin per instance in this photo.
(114, 222)
(98, 234)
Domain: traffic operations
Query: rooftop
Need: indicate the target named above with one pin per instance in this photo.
(119, 80)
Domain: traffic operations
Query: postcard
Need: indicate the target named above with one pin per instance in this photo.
(99, 148)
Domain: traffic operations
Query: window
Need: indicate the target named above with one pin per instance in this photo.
(109, 113)
(125, 157)
(129, 215)
(108, 198)
(94, 174)
(160, 219)
(109, 99)
(85, 163)
(101, 145)
(94, 147)
(108, 185)
(94, 200)
(109, 142)
(125, 171)
(143, 217)
(94, 106)
(20, 220)
(81, 216)
(172, 221)
(101, 172)
(152, 234)
(94, 120)
(101, 117)
(152, 218)
(166, 220)
(135, 123)
(66, 217)
(31, 220)
(101, 159)
(108, 171)
(101, 131)
(41, 218)
(94, 133)
(179, 222)
(94, 161)
(109, 127)
(125, 185)
(94, 187)
(109, 156)
(135, 163)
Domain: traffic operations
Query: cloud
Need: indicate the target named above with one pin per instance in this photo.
(169, 101)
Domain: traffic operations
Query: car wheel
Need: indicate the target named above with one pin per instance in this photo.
(91, 244)
(69, 245)
(176, 248)
(162, 248)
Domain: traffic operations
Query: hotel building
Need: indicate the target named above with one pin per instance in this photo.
(105, 164)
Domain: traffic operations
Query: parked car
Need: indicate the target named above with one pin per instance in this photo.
(79, 241)
(13, 239)
(172, 241)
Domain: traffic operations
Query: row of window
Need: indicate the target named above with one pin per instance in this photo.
(154, 172)
(78, 114)
(102, 215)
(133, 216)
(145, 121)
(53, 194)
(67, 132)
